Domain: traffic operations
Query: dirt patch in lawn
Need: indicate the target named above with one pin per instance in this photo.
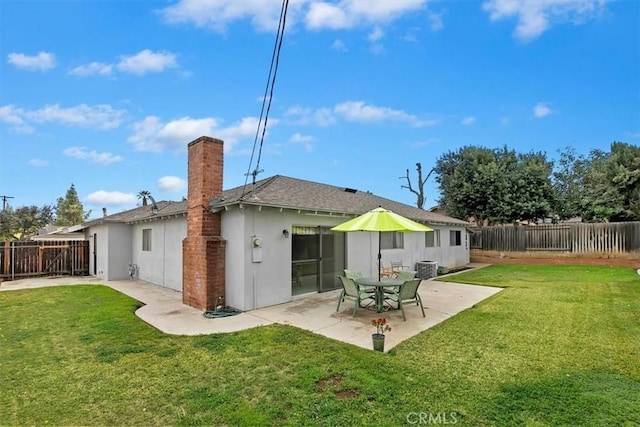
(555, 258)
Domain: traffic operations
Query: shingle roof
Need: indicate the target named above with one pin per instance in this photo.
(292, 193)
(288, 193)
(141, 213)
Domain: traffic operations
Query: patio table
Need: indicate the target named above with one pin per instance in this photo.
(379, 286)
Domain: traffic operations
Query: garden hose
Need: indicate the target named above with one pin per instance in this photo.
(221, 312)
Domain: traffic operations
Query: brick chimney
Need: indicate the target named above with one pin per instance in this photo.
(203, 250)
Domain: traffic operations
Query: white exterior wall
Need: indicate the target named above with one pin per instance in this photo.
(260, 277)
(362, 250)
(162, 265)
(119, 251)
(113, 251)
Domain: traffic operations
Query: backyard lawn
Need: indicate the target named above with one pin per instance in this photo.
(559, 346)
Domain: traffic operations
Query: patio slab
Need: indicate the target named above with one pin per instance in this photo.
(164, 310)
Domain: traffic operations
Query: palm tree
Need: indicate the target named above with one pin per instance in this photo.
(144, 195)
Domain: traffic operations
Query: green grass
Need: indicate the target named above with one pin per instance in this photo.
(559, 346)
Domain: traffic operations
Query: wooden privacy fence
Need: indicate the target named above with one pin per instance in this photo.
(619, 237)
(43, 258)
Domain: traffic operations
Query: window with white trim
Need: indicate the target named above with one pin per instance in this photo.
(455, 238)
(392, 240)
(432, 239)
(146, 239)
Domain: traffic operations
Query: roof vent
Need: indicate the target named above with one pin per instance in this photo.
(350, 190)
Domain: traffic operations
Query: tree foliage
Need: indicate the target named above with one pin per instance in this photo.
(24, 222)
(144, 195)
(568, 185)
(612, 184)
(496, 185)
(501, 186)
(69, 210)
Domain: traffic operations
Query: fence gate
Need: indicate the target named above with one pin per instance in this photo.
(44, 258)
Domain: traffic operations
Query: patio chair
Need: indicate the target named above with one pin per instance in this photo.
(351, 290)
(405, 275)
(356, 274)
(386, 272)
(397, 267)
(353, 274)
(408, 293)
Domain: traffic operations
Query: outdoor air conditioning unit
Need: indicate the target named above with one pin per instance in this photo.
(426, 269)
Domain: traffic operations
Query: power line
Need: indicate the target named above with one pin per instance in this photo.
(267, 98)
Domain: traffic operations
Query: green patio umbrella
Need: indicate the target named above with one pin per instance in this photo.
(380, 219)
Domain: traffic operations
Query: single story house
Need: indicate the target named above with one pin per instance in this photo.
(259, 245)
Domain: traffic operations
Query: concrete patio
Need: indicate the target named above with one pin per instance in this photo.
(164, 310)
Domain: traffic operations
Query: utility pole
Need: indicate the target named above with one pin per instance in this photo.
(4, 201)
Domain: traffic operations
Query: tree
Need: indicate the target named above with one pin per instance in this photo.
(144, 195)
(568, 184)
(420, 191)
(612, 184)
(69, 210)
(495, 185)
(24, 222)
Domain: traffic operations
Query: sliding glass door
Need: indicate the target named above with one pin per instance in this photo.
(317, 255)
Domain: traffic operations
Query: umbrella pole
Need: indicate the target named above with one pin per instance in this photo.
(379, 255)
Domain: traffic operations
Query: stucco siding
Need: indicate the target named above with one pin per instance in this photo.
(119, 251)
(257, 276)
(98, 245)
(261, 276)
(162, 263)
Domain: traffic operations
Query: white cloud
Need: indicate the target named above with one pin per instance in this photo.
(468, 121)
(339, 45)
(93, 156)
(151, 134)
(146, 61)
(14, 117)
(43, 61)
(303, 116)
(536, 17)
(435, 21)
(264, 15)
(351, 13)
(92, 69)
(353, 111)
(39, 163)
(217, 15)
(304, 140)
(111, 198)
(103, 117)
(325, 15)
(374, 38)
(358, 111)
(172, 184)
(541, 110)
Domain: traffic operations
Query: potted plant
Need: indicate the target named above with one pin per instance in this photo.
(378, 338)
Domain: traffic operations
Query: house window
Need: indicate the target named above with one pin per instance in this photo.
(392, 240)
(146, 239)
(432, 239)
(455, 238)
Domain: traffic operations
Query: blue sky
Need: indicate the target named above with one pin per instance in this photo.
(107, 94)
